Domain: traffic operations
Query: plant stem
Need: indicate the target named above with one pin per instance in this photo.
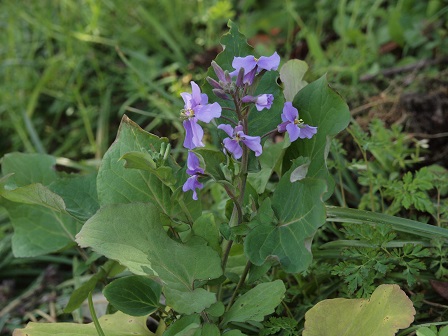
(240, 283)
(233, 122)
(94, 318)
(269, 133)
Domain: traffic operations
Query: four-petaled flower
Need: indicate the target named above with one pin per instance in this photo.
(262, 101)
(293, 125)
(194, 169)
(197, 108)
(232, 144)
(250, 63)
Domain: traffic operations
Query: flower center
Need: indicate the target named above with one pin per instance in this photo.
(186, 114)
(298, 122)
(239, 136)
(255, 59)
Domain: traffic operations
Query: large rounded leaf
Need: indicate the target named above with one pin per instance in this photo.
(387, 311)
(118, 324)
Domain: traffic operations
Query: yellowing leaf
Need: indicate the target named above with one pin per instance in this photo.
(387, 311)
(117, 324)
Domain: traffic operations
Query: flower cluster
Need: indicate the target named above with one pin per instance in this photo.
(234, 86)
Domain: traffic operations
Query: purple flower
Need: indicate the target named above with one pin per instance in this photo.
(197, 108)
(293, 125)
(194, 169)
(193, 164)
(232, 144)
(192, 184)
(261, 101)
(250, 62)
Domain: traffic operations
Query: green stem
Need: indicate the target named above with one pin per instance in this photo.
(94, 318)
(240, 284)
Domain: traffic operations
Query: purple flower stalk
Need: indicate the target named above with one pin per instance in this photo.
(194, 169)
(196, 109)
(293, 125)
(250, 63)
(263, 101)
(236, 135)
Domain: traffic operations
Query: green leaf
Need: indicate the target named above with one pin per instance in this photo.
(116, 184)
(209, 329)
(300, 172)
(143, 245)
(134, 295)
(388, 310)
(28, 169)
(319, 106)
(35, 194)
(425, 331)
(217, 309)
(291, 75)
(39, 230)
(256, 303)
(443, 331)
(81, 293)
(234, 333)
(144, 161)
(205, 227)
(41, 224)
(185, 326)
(272, 154)
(117, 324)
(79, 195)
(284, 231)
(355, 216)
(212, 160)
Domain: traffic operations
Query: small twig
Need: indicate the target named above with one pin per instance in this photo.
(405, 68)
(364, 107)
(430, 136)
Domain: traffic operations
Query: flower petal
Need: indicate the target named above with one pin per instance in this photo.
(264, 101)
(290, 113)
(253, 142)
(226, 128)
(307, 131)
(187, 99)
(207, 112)
(250, 76)
(247, 63)
(238, 128)
(193, 134)
(232, 146)
(196, 93)
(293, 131)
(192, 184)
(281, 128)
(193, 164)
(269, 63)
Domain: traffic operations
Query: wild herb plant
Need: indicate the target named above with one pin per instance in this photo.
(206, 270)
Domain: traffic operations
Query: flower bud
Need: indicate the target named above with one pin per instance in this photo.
(221, 94)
